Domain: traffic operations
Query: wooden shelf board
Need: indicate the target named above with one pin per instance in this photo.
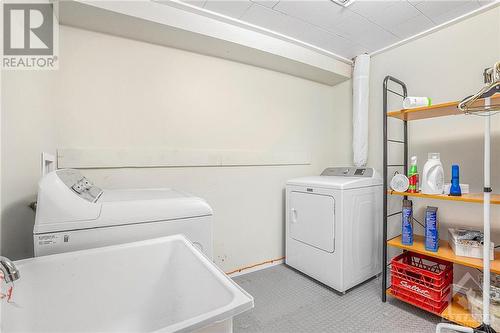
(444, 252)
(469, 197)
(437, 110)
(456, 312)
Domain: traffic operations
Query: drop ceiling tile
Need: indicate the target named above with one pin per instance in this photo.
(395, 14)
(412, 26)
(292, 27)
(442, 11)
(322, 13)
(377, 38)
(379, 42)
(199, 3)
(485, 2)
(267, 3)
(359, 29)
(233, 8)
(353, 25)
(371, 8)
(364, 26)
(459, 11)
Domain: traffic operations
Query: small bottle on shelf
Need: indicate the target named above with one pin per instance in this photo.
(455, 189)
(413, 176)
(407, 223)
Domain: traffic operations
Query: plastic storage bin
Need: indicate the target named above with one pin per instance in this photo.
(422, 281)
(467, 248)
(475, 305)
(494, 288)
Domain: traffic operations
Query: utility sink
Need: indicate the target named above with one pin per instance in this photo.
(158, 285)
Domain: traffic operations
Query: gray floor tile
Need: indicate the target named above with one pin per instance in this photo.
(287, 301)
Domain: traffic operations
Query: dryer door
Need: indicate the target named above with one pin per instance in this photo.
(312, 219)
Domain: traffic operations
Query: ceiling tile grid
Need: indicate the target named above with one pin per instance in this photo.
(300, 30)
(364, 26)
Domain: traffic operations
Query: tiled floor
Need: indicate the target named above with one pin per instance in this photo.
(287, 301)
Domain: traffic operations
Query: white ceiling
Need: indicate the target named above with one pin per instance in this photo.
(364, 26)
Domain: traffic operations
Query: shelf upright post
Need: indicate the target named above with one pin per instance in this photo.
(386, 90)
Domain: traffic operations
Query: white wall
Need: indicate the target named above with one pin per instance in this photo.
(112, 92)
(446, 66)
(28, 128)
(117, 93)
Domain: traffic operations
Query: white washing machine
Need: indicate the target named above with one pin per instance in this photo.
(73, 214)
(334, 226)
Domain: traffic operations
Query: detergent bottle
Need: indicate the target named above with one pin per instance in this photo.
(433, 175)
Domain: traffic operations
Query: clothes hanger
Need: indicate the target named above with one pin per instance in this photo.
(492, 80)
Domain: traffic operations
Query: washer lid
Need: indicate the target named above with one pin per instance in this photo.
(131, 206)
(140, 195)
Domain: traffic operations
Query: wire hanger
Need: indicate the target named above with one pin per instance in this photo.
(492, 80)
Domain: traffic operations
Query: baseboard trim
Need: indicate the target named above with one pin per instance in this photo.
(256, 267)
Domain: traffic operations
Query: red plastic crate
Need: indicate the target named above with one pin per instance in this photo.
(412, 284)
(422, 280)
(422, 302)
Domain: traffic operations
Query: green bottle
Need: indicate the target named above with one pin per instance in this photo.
(413, 176)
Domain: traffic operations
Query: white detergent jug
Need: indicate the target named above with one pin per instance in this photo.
(433, 175)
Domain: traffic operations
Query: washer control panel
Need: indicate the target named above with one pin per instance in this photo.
(79, 184)
(348, 172)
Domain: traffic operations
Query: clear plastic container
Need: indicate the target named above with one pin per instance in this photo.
(475, 305)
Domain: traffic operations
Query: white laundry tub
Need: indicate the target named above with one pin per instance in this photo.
(157, 285)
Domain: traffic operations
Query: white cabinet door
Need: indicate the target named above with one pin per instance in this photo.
(312, 219)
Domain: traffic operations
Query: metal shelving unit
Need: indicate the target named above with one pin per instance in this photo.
(457, 310)
(403, 94)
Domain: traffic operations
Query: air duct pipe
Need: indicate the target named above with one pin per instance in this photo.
(360, 94)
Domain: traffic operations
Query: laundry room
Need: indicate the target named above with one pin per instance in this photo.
(250, 166)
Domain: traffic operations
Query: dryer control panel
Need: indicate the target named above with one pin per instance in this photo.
(348, 172)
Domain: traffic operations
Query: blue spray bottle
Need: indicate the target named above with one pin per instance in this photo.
(455, 189)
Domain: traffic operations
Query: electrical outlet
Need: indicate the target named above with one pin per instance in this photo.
(48, 163)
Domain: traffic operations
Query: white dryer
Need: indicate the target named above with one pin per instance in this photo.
(334, 226)
(73, 214)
